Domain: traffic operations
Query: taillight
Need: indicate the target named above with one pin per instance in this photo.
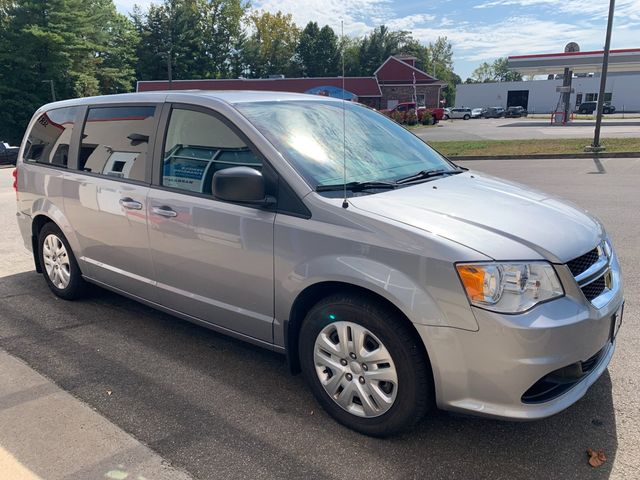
(15, 179)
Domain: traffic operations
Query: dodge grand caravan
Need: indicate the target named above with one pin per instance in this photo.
(392, 278)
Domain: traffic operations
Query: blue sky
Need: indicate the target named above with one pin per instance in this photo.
(480, 30)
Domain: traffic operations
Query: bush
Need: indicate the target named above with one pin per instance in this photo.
(427, 118)
(412, 117)
(397, 116)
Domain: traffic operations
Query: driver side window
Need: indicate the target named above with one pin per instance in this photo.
(197, 145)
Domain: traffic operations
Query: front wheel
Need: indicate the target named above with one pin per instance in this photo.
(365, 366)
(59, 265)
(466, 117)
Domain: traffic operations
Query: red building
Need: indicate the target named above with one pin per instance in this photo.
(396, 80)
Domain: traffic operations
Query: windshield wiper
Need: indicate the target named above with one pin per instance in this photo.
(356, 186)
(426, 174)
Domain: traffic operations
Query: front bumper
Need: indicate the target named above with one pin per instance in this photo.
(487, 372)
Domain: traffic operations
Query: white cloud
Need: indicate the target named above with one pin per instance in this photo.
(628, 9)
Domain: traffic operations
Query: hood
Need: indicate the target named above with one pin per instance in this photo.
(500, 219)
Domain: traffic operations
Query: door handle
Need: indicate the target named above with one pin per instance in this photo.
(164, 211)
(130, 204)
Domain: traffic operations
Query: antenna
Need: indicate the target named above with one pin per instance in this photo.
(345, 204)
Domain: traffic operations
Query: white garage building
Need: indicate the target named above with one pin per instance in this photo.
(541, 96)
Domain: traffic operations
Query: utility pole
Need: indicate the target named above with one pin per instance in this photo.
(53, 90)
(169, 73)
(595, 146)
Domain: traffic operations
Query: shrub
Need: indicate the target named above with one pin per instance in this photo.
(412, 117)
(397, 116)
(427, 118)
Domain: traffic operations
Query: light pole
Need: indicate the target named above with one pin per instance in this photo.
(53, 90)
(595, 146)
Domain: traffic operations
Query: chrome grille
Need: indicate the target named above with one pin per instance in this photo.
(592, 273)
(594, 289)
(583, 262)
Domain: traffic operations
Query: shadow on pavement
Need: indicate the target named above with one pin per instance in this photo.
(221, 408)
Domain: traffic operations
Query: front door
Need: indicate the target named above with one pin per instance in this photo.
(213, 260)
(106, 196)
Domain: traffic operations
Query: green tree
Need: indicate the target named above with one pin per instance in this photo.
(494, 72)
(82, 46)
(271, 48)
(379, 45)
(317, 51)
(502, 73)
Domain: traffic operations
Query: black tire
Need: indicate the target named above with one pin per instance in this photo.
(414, 394)
(445, 117)
(466, 117)
(76, 286)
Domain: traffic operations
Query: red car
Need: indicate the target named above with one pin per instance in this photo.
(437, 113)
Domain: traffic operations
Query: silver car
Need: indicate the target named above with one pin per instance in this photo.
(393, 279)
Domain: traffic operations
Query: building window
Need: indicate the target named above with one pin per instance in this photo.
(591, 97)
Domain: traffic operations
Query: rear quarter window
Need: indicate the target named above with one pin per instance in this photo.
(48, 140)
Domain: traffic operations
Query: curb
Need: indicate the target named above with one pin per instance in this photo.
(546, 156)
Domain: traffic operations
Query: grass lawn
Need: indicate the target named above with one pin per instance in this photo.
(529, 147)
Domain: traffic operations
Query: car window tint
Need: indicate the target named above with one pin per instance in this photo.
(48, 140)
(196, 146)
(115, 141)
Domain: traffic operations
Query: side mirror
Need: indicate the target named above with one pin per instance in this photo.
(240, 184)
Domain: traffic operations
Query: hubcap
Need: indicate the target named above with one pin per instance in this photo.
(355, 369)
(56, 261)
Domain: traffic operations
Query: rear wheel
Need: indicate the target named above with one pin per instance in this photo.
(59, 265)
(365, 367)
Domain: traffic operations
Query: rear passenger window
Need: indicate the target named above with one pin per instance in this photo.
(48, 140)
(115, 141)
(198, 145)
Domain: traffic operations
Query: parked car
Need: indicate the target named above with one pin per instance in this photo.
(464, 113)
(477, 112)
(436, 113)
(515, 112)
(227, 209)
(8, 154)
(494, 112)
(590, 107)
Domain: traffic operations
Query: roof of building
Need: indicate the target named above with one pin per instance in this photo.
(395, 71)
(361, 86)
(623, 60)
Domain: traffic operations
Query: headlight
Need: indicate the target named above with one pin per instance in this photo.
(509, 287)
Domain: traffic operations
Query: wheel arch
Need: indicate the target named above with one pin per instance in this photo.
(37, 223)
(316, 292)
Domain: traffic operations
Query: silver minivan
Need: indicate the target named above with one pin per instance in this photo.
(394, 280)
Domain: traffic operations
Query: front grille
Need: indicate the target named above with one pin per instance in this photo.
(560, 381)
(583, 262)
(594, 289)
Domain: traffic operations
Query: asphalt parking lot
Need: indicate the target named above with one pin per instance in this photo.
(525, 128)
(219, 408)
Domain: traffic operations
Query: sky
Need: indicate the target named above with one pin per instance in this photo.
(480, 30)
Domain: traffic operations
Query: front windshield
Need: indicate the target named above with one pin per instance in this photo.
(309, 134)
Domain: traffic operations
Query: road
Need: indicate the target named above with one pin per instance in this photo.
(219, 408)
(525, 128)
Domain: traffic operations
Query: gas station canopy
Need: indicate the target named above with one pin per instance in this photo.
(626, 60)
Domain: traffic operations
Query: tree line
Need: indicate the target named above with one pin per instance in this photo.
(73, 48)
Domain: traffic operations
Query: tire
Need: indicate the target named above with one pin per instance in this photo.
(399, 405)
(59, 266)
(445, 117)
(466, 117)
